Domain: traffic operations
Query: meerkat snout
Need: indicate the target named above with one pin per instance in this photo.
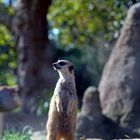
(56, 66)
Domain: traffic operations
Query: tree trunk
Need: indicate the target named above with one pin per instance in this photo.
(34, 54)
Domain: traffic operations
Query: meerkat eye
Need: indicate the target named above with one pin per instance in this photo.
(62, 63)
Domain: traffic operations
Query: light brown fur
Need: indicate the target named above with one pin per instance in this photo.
(62, 114)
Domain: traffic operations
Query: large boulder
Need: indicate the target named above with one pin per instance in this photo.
(120, 83)
(92, 124)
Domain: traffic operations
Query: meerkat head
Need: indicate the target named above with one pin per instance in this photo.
(63, 66)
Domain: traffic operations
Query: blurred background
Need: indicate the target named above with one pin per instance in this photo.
(36, 33)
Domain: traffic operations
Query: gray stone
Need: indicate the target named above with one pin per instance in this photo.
(120, 83)
(91, 123)
(9, 98)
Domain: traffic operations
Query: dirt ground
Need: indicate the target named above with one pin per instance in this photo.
(20, 121)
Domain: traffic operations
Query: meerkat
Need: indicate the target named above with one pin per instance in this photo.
(62, 113)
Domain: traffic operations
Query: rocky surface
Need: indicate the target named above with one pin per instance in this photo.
(120, 83)
(9, 100)
(92, 124)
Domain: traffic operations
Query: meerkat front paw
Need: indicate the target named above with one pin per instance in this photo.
(59, 107)
(69, 110)
(71, 106)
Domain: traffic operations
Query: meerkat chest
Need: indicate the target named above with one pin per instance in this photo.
(63, 95)
(63, 90)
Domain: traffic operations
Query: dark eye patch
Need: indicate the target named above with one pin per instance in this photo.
(62, 63)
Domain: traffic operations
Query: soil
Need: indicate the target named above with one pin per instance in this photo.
(22, 121)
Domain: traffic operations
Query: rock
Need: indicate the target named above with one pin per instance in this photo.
(9, 98)
(91, 103)
(120, 83)
(86, 122)
(91, 123)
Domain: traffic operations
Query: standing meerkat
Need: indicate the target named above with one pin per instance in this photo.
(62, 114)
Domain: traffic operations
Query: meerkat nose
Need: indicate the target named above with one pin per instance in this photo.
(54, 64)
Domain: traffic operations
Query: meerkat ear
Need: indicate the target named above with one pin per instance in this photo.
(71, 68)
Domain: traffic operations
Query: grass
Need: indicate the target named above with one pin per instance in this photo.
(25, 134)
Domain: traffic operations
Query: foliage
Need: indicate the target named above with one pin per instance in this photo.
(6, 7)
(7, 57)
(7, 51)
(91, 26)
(83, 21)
(25, 134)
